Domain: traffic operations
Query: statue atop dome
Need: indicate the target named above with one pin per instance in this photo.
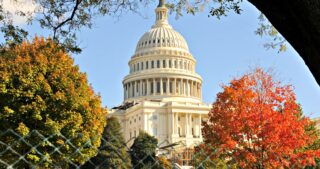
(161, 3)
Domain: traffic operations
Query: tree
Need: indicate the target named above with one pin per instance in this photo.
(255, 122)
(143, 151)
(297, 21)
(112, 152)
(46, 100)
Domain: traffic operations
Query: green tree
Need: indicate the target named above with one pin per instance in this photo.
(143, 151)
(47, 100)
(112, 152)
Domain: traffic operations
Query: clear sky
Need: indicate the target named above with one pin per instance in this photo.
(223, 49)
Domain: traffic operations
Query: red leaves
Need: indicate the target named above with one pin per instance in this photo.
(258, 121)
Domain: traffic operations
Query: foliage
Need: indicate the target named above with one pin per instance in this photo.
(251, 124)
(112, 152)
(65, 17)
(164, 162)
(41, 89)
(143, 151)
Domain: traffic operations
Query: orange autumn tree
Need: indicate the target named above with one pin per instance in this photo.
(255, 122)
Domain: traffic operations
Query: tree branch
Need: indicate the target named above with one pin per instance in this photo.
(75, 8)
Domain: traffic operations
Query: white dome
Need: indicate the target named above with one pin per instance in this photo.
(162, 37)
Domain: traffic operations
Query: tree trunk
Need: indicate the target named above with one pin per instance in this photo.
(299, 23)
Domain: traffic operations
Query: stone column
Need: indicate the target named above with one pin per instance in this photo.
(172, 123)
(187, 125)
(135, 88)
(200, 91)
(191, 92)
(197, 92)
(188, 88)
(181, 88)
(148, 87)
(140, 92)
(176, 124)
(129, 89)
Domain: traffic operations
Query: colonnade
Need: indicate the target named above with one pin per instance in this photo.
(162, 86)
(189, 125)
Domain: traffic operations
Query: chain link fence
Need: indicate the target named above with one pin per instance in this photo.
(36, 150)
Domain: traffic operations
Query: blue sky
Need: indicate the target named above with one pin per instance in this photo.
(223, 49)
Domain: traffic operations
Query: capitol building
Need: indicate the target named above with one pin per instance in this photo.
(162, 92)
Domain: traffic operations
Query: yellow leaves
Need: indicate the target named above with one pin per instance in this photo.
(45, 91)
(22, 129)
(60, 142)
(33, 158)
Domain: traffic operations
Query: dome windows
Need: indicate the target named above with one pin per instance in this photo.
(181, 64)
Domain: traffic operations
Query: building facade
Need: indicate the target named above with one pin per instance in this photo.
(162, 93)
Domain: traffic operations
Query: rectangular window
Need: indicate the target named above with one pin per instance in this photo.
(170, 64)
(164, 87)
(137, 86)
(164, 64)
(138, 67)
(158, 87)
(151, 87)
(152, 64)
(141, 65)
(147, 65)
(134, 68)
(154, 131)
(170, 87)
(158, 63)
